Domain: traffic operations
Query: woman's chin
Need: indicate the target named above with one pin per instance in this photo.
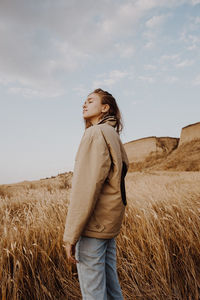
(86, 116)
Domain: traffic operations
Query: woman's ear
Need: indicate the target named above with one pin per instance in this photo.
(105, 108)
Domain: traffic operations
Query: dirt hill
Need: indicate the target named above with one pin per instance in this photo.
(184, 158)
(190, 132)
(138, 150)
(59, 182)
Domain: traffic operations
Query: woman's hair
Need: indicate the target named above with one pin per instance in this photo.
(107, 98)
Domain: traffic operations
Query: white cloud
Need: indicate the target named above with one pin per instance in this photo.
(174, 60)
(133, 103)
(195, 2)
(171, 79)
(150, 67)
(149, 44)
(125, 50)
(196, 81)
(166, 61)
(69, 58)
(3, 81)
(50, 92)
(153, 26)
(147, 79)
(192, 41)
(185, 63)
(110, 79)
(81, 90)
(43, 44)
(155, 21)
(40, 43)
(197, 20)
(150, 36)
(171, 57)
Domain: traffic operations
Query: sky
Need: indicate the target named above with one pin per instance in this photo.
(146, 53)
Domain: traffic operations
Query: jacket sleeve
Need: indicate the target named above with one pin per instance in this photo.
(90, 171)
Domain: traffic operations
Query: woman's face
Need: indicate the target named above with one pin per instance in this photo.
(92, 108)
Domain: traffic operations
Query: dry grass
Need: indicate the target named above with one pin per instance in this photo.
(158, 249)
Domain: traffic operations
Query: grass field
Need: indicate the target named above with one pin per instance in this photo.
(158, 249)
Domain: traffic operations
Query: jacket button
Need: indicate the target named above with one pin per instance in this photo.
(97, 226)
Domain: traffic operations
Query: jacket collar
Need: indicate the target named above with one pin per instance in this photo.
(111, 120)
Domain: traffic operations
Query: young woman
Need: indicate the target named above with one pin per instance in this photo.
(97, 199)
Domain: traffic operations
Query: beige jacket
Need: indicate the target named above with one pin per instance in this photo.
(98, 197)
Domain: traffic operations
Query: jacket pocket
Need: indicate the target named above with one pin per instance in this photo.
(95, 227)
(122, 185)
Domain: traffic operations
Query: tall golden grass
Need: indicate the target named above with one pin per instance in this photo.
(158, 249)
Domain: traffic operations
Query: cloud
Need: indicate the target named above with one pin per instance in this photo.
(190, 34)
(153, 26)
(168, 60)
(196, 81)
(197, 20)
(39, 93)
(171, 57)
(133, 103)
(43, 44)
(150, 67)
(155, 21)
(192, 41)
(150, 36)
(125, 50)
(40, 43)
(185, 63)
(110, 79)
(81, 90)
(171, 79)
(147, 79)
(174, 60)
(195, 2)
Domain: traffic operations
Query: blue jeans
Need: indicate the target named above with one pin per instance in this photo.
(97, 271)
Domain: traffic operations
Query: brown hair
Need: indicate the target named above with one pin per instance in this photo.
(107, 98)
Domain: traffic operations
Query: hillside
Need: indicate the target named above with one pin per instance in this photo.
(184, 158)
(50, 184)
(190, 132)
(138, 150)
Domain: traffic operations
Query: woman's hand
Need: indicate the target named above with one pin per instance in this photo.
(70, 251)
